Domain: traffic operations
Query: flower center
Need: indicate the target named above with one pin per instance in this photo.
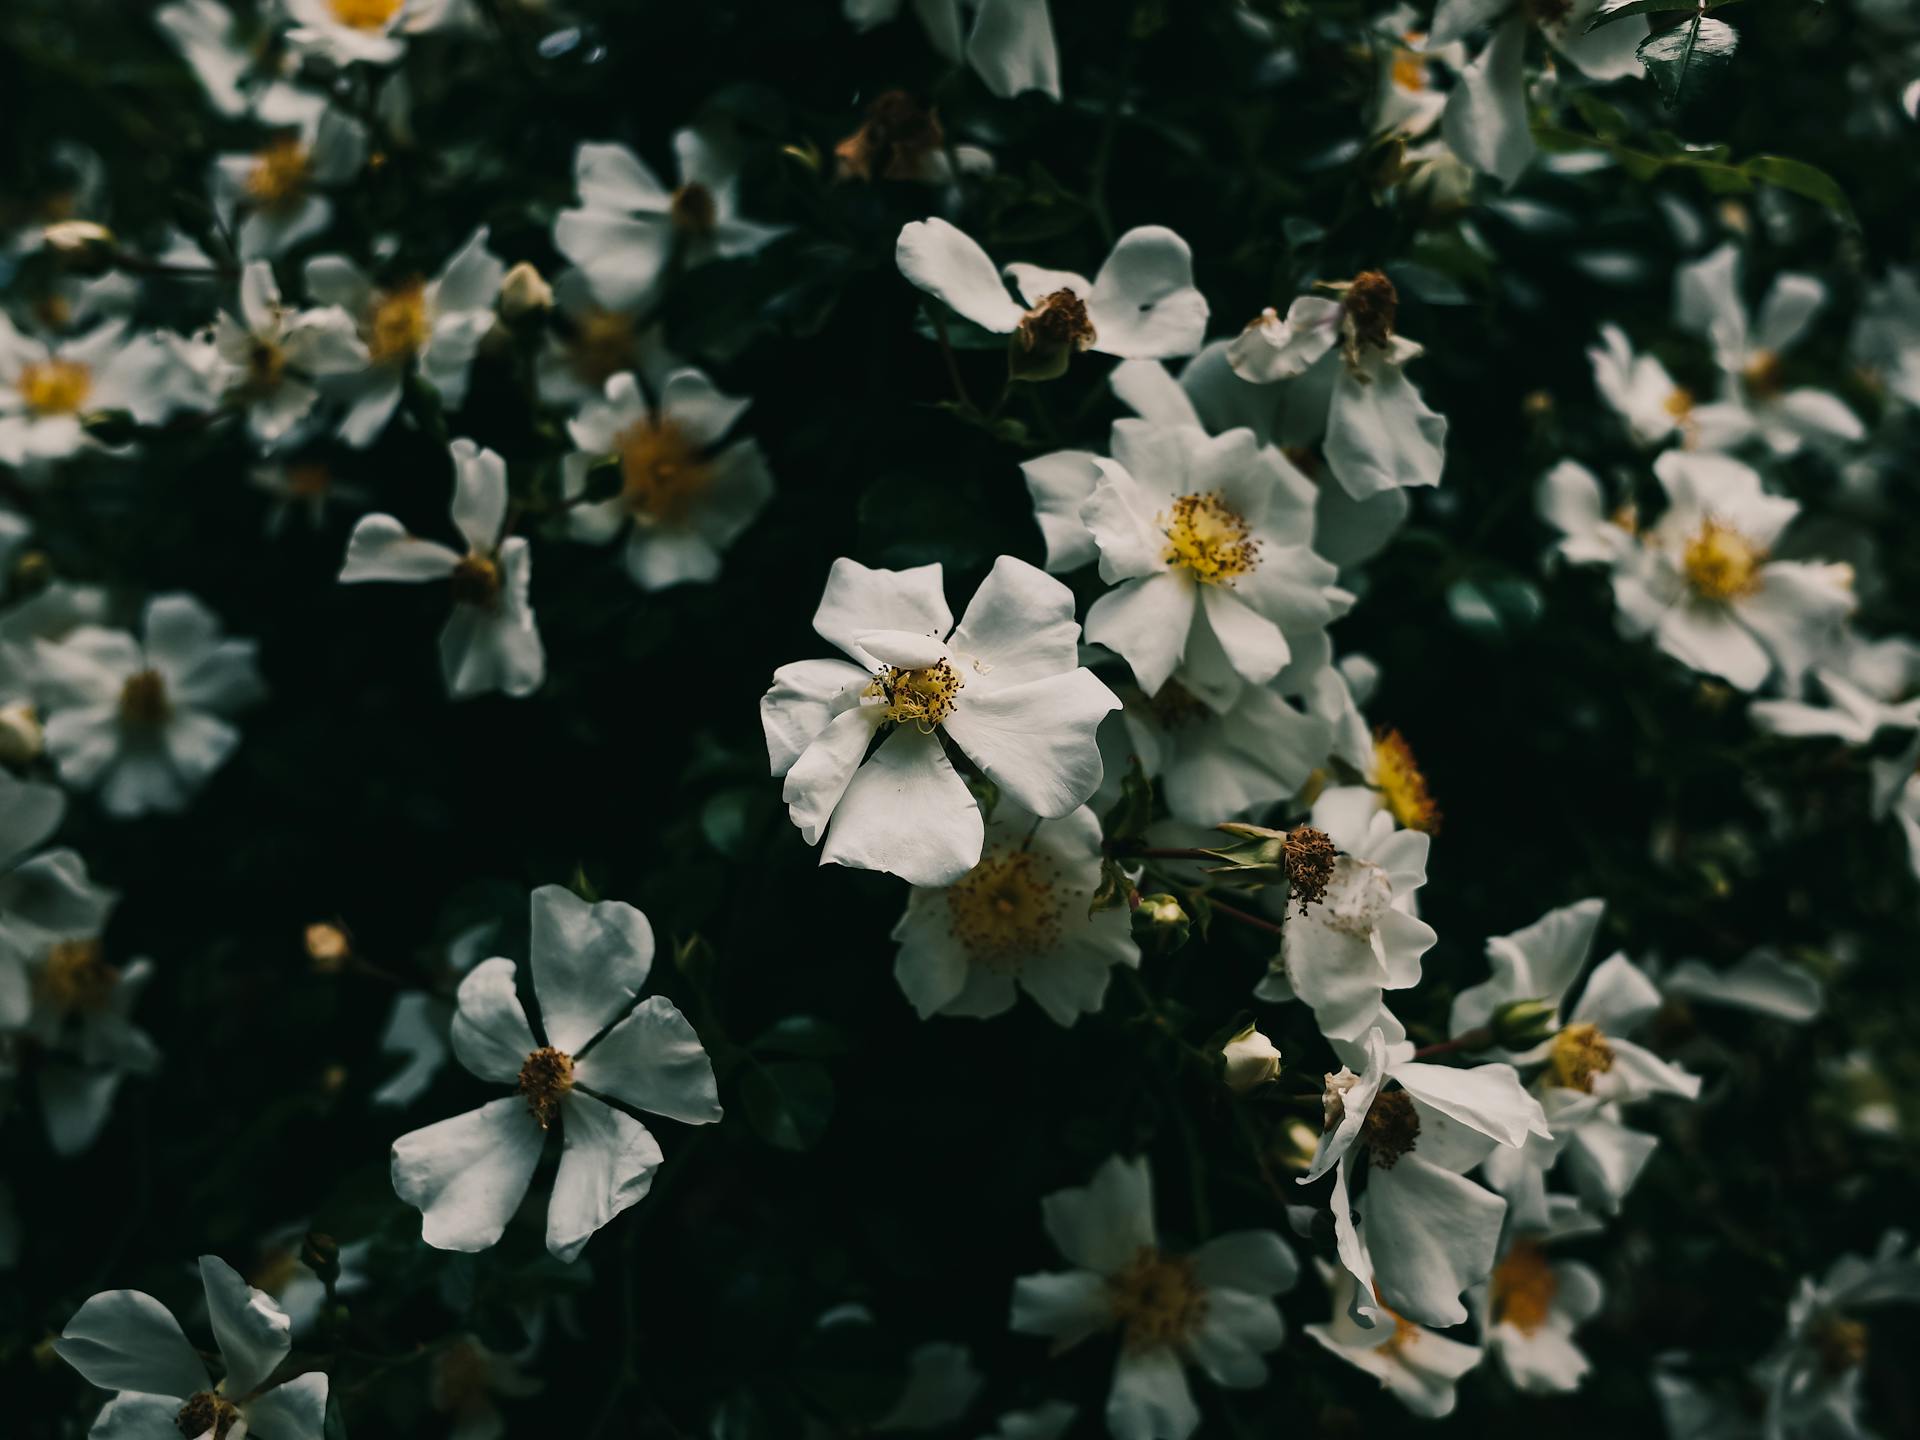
(1391, 1127)
(1371, 304)
(693, 209)
(1308, 857)
(1409, 65)
(279, 174)
(365, 14)
(1840, 1343)
(1405, 1332)
(76, 979)
(545, 1079)
(1523, 1287)
(1155, 1300)
(602, 345)
(1403, 786)
(1679, 402)
(55, 387)
(1005, 909)
(309, 480)
(922, 698)
(266, 365)
(1721, 563)
(661, 470)
(400, 326)
(476, 581)
(1357, 894)
(143, 699)
(894, 143)
(1764, 375)
(1579, 1053)
(1209, 538)
(207, 1413)
(1059, 322)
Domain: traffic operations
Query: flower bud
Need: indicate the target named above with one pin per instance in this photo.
(1252, 1060)
(80, 246)
(1522, 1024)
(1160, 925)
(21, 738)
(524, 294)
(328, 946)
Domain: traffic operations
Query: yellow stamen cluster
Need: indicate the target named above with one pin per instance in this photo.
(1405, 1332)
(1679, 402)
(143, 699)
(1155, 1300)
(662, 471)
(545, 1079)
(1721, 563)
(400, 326)
(1209, 538)
(55, 387)
(207, 1414)
(602, 345)
(693, 209)
(279, 173)
(921, 698)
(1403, 787)
(1840, 1343)
(1005, 909)
(1409, 65)
(1764, 375)
(1059, 322)
(76, 979)
(365, 14)
(1523, 1286)
(1391, 1128)
(476, 581)
(1579, 1053)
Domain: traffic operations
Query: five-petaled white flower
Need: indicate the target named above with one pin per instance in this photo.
(369, 31)
(1412, 1363)
(278, 191)
(1528, 1312)
(468, 1175)
(1005, 686)
(1212, 1308)
(47, 387)
(262, 361)
(490, 642)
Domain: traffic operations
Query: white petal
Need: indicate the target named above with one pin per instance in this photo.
(612, 177)
(381, 549)
(296, 1410)
(819, 778)
(1067, 1305)
(589, 961)
(1486, 1098)
(131, 1415)
(859, 601)
(253, 1333)
(1381, 434)
(1012, 48)
(1234, 1331)
(1253, 644)
(907, 813)
(1019, 626)
(949, 264)
(1102, 1225)
(490, 1033)
(803, 699)
(1432, 1234)
(1060, 484)
(1485, 122)
(127, 1340)
(1150, 1399)
(624, 258)
(479, 495)
(467, 1175)
(1146, 622)
(654, 1061)
(1036, 741)
(1257, 1261)
(1761, 982)
(1144, 305)
(606, 1166)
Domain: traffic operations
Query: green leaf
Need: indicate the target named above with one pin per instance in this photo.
(1133, 811)
(1804, 180)
(1613, 10)
(1113, 890)
(788, 1103)
(1700, 48)
(802, 1036)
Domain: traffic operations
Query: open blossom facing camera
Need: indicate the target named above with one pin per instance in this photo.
(1212, 1308)
(1645, 396)
(275, 195)
(127, 1342)
(432, 328)
(1142, 304)
(1419, 1367)
(363, 31)
(1005, 686)
(144, 721)
(47, 388)
(685, 492)
(468, 1175)
(264, 359)
(490, 642)
(1530, 1308)
(1017, 921)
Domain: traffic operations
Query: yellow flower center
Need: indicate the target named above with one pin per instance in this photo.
(545, 1079)
(1409, 65)
(279, 174)
(400, 324)
(1579, 1053)
(1840, 1343)
(266, 365)
(1403, 788)
(1721, 563)
(476, 581)
(1523, 1288)
(365, 14)
(1764, 375)
(1405, 1332)
(661, 471)
(1209, 538)
(1155, 1300)
(143, 699)
(693, 209)
(1679, 403)
(922, 698)
(207, 1414)
(602, 345)
(1005, 909)
(76, 979)
(55, 387)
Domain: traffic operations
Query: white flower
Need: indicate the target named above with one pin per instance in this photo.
(1707, 302)
(1761, 982)
(373, 31)
(1812, 1377)
(589, 343)
(1641, 392)
(628, 225)
(127, 1342)
(419, 1022)
(467, 1175)
(1216, 765)
(1569, 498)
(1347, 362)
(1017, 921)
(436, 325)
(303, 485)
(1528, 1312)
(210, 39)
(1006, 687)
(1011, 45)
(263, 360)
(144, 720)
(1707, 588)
(685, 493)
(1413, 1364)
(1361, 938)
(1212, 1308)
(1423, 1232)
(46, 389)
(490, 642)
(1142, 304)
(277, 187)
(1408, 102)
(1886, 336)
(1859, 713)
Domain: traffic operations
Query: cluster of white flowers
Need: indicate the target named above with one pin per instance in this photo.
(1222, 528)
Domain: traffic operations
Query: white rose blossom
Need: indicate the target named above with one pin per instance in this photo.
(47, 388)
(372, 32)
(1005, 686)
(468, 1175)
(277, 192)
(1528, 1311)
(1415, 1365)
(490, 642)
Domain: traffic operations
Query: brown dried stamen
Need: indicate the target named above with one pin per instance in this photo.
(1058, 322)
(1308, 856)
(1391, 1127)
(545, 1079)
(894, 143)
(1840, 1343)
(1371, 304)
(1155, 1300)
(206, 1413)
(143, 699)
(476, 581)
(693, 209)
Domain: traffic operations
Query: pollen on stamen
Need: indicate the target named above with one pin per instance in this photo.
(1059, 322)
(278, 176)
(54, 387)
(76, 979)
(1391, 1128)
(365, 14)
(1005, 909)
(1523, 1286)
(545, 1079)
(1720, 563)
(400, 326)
(206, 1413)
(922, 698)
(693, 209)
(662, 470)
(1209, 538)
(1579, 1053)
(1155, 1300)
(1402, 784)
